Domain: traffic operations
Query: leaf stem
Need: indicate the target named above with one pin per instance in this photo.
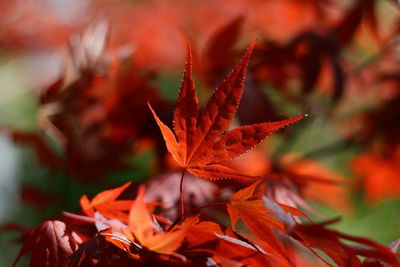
(182, 209)
(78, 217)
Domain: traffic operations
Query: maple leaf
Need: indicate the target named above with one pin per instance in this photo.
(257, 218)
(50, 243)
(106, 203)
(200, 143)
(142, 226)
(142, 231)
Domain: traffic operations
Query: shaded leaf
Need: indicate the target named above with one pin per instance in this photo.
(50, 244)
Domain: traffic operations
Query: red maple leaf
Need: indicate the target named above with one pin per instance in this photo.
(50, 243)
(201, 143)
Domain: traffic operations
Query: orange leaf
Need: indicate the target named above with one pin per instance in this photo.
(142, 225)
(106, 203)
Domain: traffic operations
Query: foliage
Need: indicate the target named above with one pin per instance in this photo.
(206, 190)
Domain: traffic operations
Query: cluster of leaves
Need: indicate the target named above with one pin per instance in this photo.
(122, 232)
(125, 232)
(253, 205)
